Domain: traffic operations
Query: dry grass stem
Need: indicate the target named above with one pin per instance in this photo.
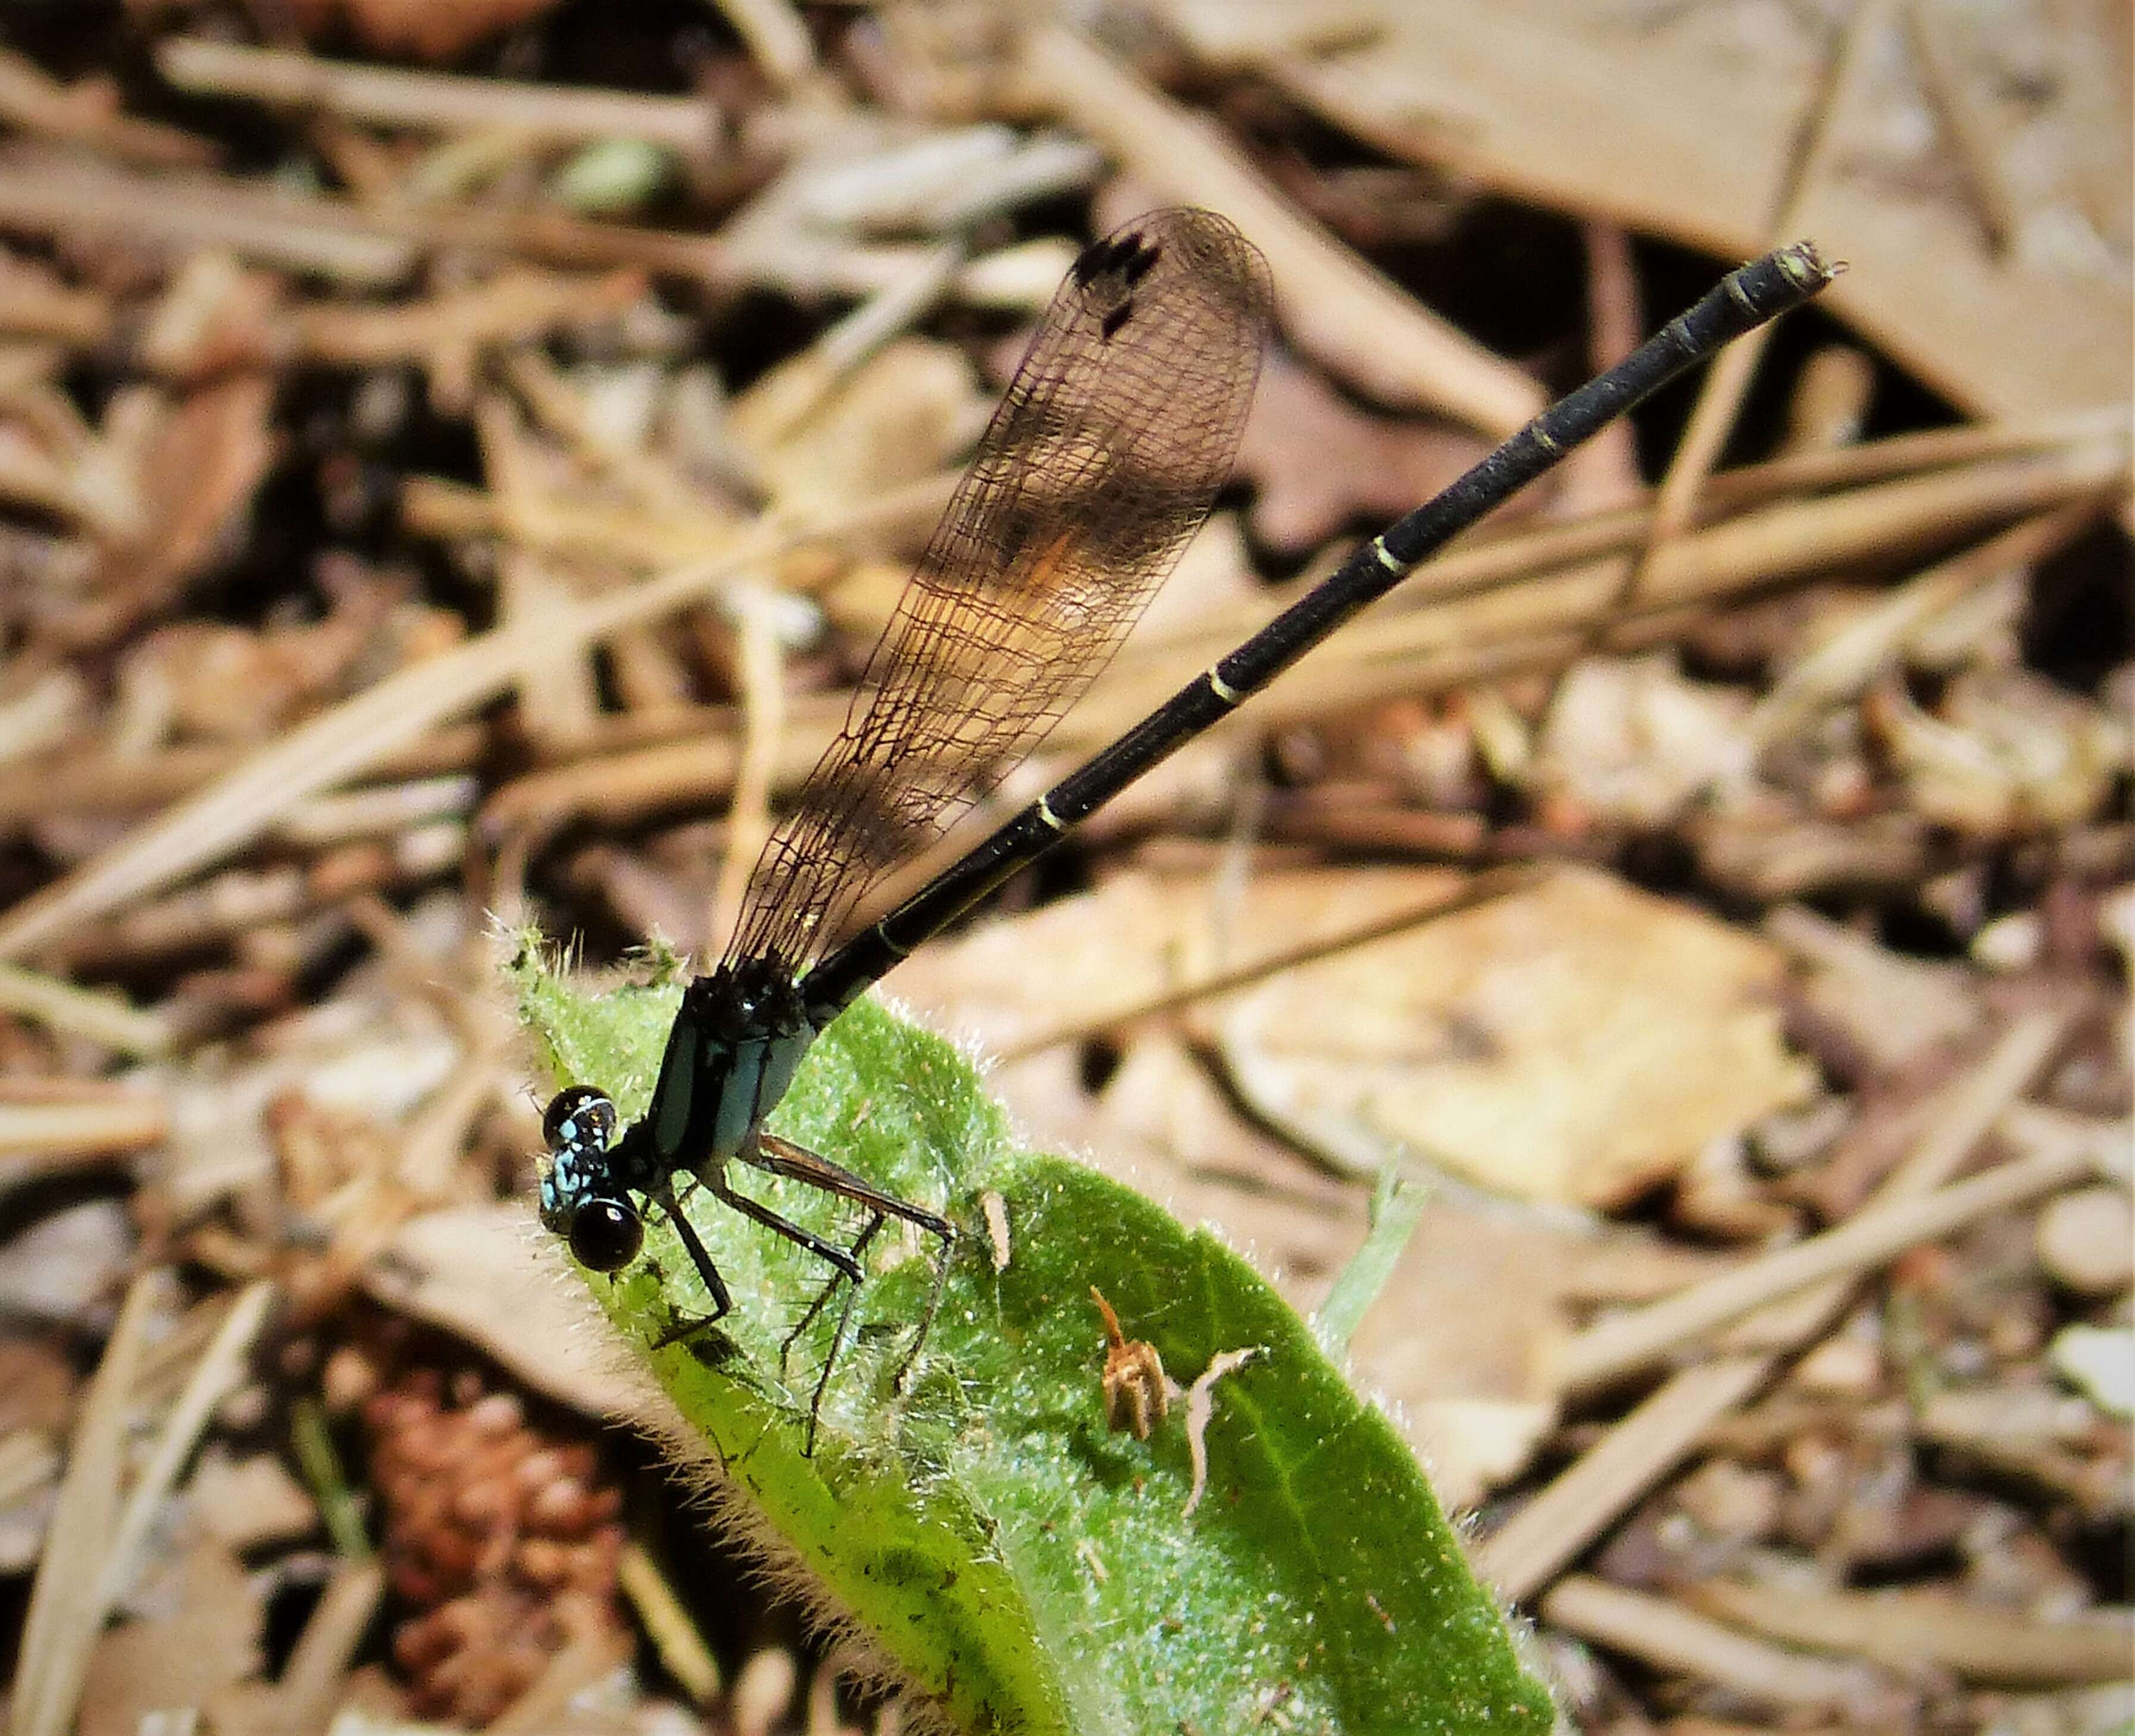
(52, 1133)
(1669, 1636)
(96, 1014)
(1537, 1542)
(67, 1604)
(315, 1678)
(439, 102)
(683, 1653)
(1625, 1343)
(218, 1371)
(1912, 1632)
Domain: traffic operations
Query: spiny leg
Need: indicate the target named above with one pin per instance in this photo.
(714, 1285)
(856, 1248)
(779, 1156)
(849, 1269)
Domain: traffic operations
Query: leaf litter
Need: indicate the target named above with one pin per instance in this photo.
(320, 485)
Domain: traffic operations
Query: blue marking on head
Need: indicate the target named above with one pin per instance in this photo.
(579, 1122)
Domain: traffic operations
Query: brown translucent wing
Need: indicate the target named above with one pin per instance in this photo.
(1117, 431)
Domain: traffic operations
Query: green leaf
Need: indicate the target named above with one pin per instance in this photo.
(1025, 1567)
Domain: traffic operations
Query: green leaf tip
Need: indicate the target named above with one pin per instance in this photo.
(1016, 1565)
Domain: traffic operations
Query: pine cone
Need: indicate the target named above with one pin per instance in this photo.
(500, 1535)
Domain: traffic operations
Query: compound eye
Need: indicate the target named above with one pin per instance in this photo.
(587, 1111)
(606, 1235)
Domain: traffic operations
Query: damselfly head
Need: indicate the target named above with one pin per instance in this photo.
(580, 1200)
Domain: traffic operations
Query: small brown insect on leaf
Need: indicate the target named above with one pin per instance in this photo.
(1137, 1393)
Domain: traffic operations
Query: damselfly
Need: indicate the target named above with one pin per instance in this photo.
(1115, 435)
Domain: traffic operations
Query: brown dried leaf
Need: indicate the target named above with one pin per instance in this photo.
(206, 460)
(198, 1634)
(1140, 938)
(1614, 114)
(1578, 1041)
(1632, 739)
(1322, 462)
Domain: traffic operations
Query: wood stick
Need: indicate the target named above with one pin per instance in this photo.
(435, 101)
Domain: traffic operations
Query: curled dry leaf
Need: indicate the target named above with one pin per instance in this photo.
(207, 461)
(2006, 751)
(1632, 739)
(1200, 1409)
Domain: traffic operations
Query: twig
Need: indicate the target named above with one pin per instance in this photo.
(441, 102)
(1364, 328)
(100, 1015)
(88, 113)
(1910, 1630)
(1967, 123)
(66, 1606)
(1627, 1341)
(1665, 1634)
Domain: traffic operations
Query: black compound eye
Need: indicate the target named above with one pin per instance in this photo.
(606, 1235)
(583, 1104)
